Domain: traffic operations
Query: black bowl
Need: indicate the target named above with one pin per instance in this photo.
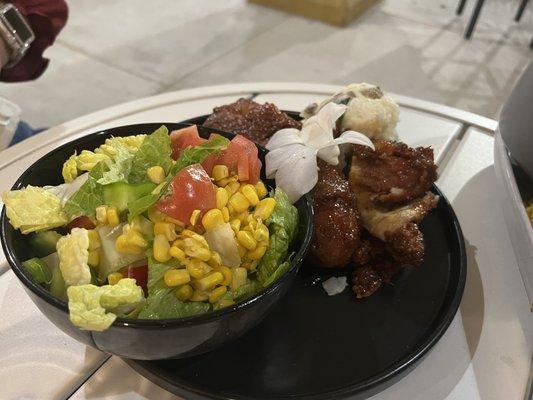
(148, 339)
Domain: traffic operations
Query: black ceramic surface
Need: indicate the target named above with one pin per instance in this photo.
(317, 347)
(147, 339)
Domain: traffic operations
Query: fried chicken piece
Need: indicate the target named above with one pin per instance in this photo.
(366, 281)
(255, 121)
(337, 227)
(406, 245)
(394, 173)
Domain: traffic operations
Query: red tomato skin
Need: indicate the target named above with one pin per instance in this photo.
(140, 274)
(190, 190)
(183, 138)
(81, 222)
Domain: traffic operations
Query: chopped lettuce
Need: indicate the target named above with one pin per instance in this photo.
(66, 190)
(38, 270)
(87, 160)
(189, 156)
(73, 253)
(33, 209)
(118, 167)
(222, 240)
(245, 291)
(95, 307)
(155, 150)
(282, 225)
(162, 302)
(89, 195)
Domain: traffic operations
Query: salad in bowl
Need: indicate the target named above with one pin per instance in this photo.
(157, 226)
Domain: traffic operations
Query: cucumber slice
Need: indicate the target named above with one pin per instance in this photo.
(44, 243)
(38, 269)
(119, 194)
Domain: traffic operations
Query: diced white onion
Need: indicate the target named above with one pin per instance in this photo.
(335, 285)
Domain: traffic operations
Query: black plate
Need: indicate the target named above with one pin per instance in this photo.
(317, 347)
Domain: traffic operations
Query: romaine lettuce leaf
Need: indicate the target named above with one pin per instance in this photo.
(66, 190)
(189, 156)
(282, 225)
(89, 195)
(155, 150)
(162, 302)
(118, 167)
(94, 307)
(33, 209)
(73, 253)
(87, 160)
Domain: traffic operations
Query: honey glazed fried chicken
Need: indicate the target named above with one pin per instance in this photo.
(392, 186)
(255, 121)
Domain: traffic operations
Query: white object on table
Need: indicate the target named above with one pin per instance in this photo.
(485, 353)
(9, 119)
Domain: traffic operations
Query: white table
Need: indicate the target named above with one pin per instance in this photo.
(485, 354)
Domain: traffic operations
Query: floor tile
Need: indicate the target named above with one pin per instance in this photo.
(165, 40)
(73, 85)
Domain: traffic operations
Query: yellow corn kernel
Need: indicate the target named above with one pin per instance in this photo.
(94, 258)
(241, 249)
(261, 233)
(233, 187)
(176, 277)
(250, 193)
(230, 209)
(161, 248)
(179, 243)
(112, 216)
(199, 295)
(166, 229)
(196, 249)
(235, 224)
(215, 259)
(101, 215)
(194, 217)
(177, 253)
(239, 202)
(188, 233)
(198, 239)
(261, 189)
(122, 245)
(225, 214)
(197, 269)
(221, 198)
(239, 278)
(179, 225)
(113, 278)
(257, 253)
(135, 238)
(208, 282)
(217, 293)
(226, 272)
(94, 239)
(156, 174)
(212, 219)
(184, 292)
(243, 216)
(220, 172)
(247, 265)
(265, 208)
(246, 240)
(155, 215)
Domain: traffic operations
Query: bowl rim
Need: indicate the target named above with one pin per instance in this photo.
(18, 269)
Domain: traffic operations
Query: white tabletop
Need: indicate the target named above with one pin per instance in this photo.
(485, 354)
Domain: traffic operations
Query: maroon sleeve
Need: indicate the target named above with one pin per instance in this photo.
(46, 18)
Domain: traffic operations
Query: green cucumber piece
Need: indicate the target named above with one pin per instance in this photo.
(44, 243)
(119, 194)
(38, 270)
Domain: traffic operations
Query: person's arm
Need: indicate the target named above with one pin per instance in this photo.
(46, 18)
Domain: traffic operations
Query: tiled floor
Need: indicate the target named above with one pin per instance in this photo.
(118, 50)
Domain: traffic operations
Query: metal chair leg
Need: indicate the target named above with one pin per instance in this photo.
(460, 7)
(521, 9)
(474, 18)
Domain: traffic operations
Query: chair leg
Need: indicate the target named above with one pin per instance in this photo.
(460, 7)
(521, 9)
(474, 18)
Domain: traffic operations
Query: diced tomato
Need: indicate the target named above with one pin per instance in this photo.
(140, 274)
(183, 138)
(81, 222)
(190, 190)
(249, 165)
